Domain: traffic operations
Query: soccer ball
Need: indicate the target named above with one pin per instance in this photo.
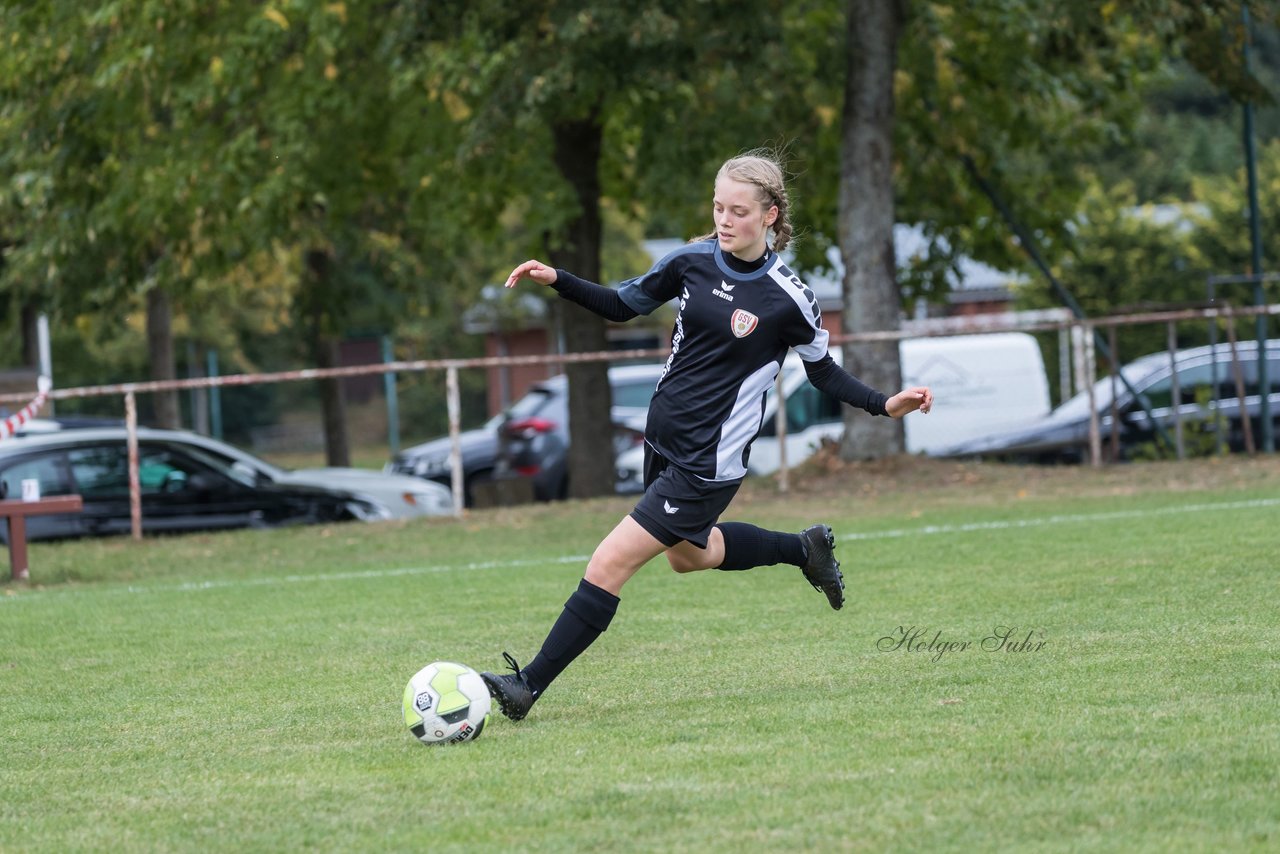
(445, 703)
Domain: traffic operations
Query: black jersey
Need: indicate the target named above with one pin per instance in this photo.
(731, 336)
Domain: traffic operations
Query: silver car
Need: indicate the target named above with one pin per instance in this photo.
(394, 496)
(1206, 385)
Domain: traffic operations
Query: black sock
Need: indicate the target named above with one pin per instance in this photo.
(585, 616)
(746, 546)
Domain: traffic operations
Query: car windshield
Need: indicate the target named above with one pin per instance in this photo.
(526, 407)
(231, 457)
(1078, 406)
(221, 464)
(634, 394)
(631, 393)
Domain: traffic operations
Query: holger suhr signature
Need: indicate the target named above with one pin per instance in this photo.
(1009, 639)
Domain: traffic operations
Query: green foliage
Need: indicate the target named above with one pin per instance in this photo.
(1033, 96)
(1185, 131)
(672, 89)
(205, 150)
(1024, 92)
(405, 148)
(1121, 256)
(1222, 226)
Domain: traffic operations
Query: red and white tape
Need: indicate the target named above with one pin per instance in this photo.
(10, 425)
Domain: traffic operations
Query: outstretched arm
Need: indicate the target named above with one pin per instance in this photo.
(596, 298)
(829, 377)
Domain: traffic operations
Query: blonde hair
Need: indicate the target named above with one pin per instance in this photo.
(763, 171)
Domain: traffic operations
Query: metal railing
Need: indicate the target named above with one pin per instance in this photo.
(1082, 332)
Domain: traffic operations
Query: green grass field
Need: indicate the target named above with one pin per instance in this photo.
(241, 692)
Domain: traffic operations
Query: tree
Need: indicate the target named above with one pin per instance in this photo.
(311, 98)
(1220, 217)
(101, 197)
(1126, 257)
(866, 221)
(182, 156)
(555, 98)
(1001, 94)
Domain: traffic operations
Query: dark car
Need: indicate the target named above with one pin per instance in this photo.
(1063, 435)
(182, 487)
(531, 438)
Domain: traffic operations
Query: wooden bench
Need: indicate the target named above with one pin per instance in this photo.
(17, 512)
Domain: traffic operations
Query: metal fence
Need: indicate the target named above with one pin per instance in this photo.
(1082, 335)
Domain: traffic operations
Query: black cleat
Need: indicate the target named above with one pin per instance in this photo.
(515, 697)
(821, 569)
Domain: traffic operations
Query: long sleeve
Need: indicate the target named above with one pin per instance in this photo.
(829, 377)
(595, 298)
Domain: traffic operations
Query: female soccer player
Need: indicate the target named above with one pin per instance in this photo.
(740, 309)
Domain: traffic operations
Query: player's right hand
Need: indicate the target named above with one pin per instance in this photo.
(536, 270)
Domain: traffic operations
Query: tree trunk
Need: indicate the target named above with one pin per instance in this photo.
(866, 218)
(325, 343)
(591, 459)
(333, 403)
(30, 321)
(160, 351)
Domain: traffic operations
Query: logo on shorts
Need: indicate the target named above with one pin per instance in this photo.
(666, 505)
(743, 323)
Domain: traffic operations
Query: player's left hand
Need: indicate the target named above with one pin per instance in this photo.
(909, 400)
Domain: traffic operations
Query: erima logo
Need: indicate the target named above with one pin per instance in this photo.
(726, 286)
(723, 290)
(666, 505)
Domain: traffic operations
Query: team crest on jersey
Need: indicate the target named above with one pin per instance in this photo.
(743, 323)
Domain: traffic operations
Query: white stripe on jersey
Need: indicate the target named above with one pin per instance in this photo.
(816, 349)
(743, 422)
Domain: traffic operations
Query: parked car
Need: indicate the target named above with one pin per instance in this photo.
(73, 422)
(531, 438)
(399, 496)
(1063, 435)
(184, 487)
(980, 384)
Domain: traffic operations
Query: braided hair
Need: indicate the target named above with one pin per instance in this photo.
(760, 169)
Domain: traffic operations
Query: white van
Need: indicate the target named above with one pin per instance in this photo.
(982, 384)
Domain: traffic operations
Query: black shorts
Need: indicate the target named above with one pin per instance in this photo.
(678, 505)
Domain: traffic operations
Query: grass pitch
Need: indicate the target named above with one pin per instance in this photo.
(1029, 659)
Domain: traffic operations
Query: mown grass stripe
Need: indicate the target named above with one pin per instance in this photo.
(892, 533)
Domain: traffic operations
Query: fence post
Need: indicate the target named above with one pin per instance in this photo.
(1246, 423)
(1090, 379)
(780, 427)
(1114, 438)
(1064, 364)
(1080, 355)
(1175, 392)
(393, 402)
(1219, 440)
(455, 441)
(135, 486)
(215, 396)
